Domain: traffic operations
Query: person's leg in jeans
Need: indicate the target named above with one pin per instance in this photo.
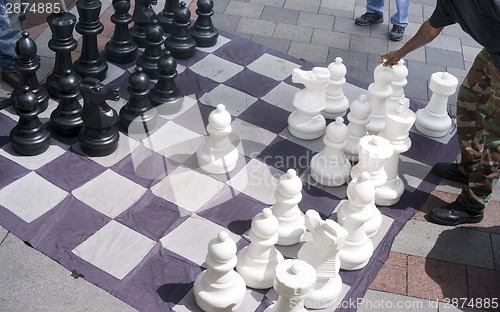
(374, 13)
(375, 6)
(399, 20)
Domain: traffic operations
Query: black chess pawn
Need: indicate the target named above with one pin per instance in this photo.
(180, 42)
(203, 30)
(62, 43)
(166, 16)
(90, 63)
(142, 16)
(138, 115)
(149, 59)
(29, 137)
(121, 48)
(165, 95)
(98, 136)
(27, 64)
(66, 119)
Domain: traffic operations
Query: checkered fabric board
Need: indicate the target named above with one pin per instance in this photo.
(137, 223)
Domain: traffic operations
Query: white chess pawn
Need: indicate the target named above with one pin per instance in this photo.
(336, 102)
(258, 260)
(306, 122)
(328, 237)
(286, 210)
(358, 117)
(220, 288)
(398, 83)
(373, 152)
(380, 90)
(294, 281)
(358, 209)
(433, 120)
(330, 167)
(397, 127)
(218, 154)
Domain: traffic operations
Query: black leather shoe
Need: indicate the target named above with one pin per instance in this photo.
(396, 33)
(453, 214)
(369, 18)
(451, 172)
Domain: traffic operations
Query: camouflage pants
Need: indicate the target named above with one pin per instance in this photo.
(478, 128)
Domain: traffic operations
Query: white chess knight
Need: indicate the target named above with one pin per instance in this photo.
(380, 90)
(294, 281)
(328, 237)
(358, 117)
(331, 167)
(220, 288)
(397, 127)
(258, 260)
(398, 83)
(357, 210)
(336, 102)
(218, 154)
(433, 120)
(306, 122)
(286, 209)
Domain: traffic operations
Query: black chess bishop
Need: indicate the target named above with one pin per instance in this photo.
(203, 30)
(165, 95)
(180, 42)
(121, 48)
(142, 16)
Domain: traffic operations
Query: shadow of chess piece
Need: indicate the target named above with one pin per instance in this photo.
(66, 119)
(27, 64)
(138, 115)
(143, 14)
(98, 136)
(165, 95)
(180, 42)
(121, 48)
(29, 137)
(203, 30)
(90, 63)
(62, 43)
(154, 41)
(166, 16)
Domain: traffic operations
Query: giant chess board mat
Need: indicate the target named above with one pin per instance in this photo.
(137, 223)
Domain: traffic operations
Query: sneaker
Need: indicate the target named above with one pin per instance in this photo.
(396, 33)
(451, 172)
(12, 78)
(454, 213)
(369, 18)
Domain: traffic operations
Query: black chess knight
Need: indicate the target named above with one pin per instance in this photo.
(180, 42)
(166, 16)
(165, 95)
(154, 41)
(121, 48)
(203, 30)
(142, 16)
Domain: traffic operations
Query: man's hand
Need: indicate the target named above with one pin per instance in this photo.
(391, 58)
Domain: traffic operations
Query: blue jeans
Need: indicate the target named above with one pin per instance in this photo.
(11, 26)
(401, 16)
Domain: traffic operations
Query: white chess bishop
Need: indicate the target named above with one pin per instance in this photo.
(306, 122)
(328, 237)
(286, 209)
(336, 102)
(358, 117)
(220, 288)
(397, 127)
(380, 90)
(218, 155)
(357, 210)
(331, 167)
(258, 260)
(398, 83)
(433, 120)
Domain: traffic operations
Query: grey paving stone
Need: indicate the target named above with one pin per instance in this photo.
(470, 42)
(416, 55)
(220, 6)
(243, 35)
(444, 57)
(277, 44)
(280, 15)
(415, 9)
(443, 307)
(319, 21)
(428, 2)
(244, 9)
(369, 45)
(256, 27)
(495, 240)
(3, 234)
(412, 29)
(336, 13)
(453, 30)
(415, 19)
(428, 9)
(470, 53)
(276, 3)
(225, 21)
(293, 32)
(379, 31)
(306, 6)
(310, 52)
(338, 5)
(330, 38)
(361, 75)
(453, 244)
(495, 195)
(449, 187)
(346, 25)
(423, 71)
(352, 59)
(41, 284)
(416, 89)
(373, 61)
(450, 43)
(378, 301)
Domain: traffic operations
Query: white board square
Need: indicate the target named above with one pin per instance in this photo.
(55, 150)
(216, 68)
(282, 96)
(221, 41)
(273, 67)
(112, 73)
(235, 101)
(253, 139)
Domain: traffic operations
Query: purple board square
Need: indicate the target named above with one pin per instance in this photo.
(195, 118)
(319, 200)
(266, 116)
(187, 62)
(6, 125)
(5, 103)
(241, 51)
(190, 82)
(232, 209)
(427, 150)
(10, 171)
(152, 216)
(250, 82)
(283, 155)
(70, 170)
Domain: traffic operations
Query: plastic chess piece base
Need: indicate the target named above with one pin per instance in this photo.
(335, 177)
(355, 255)
(331, 116)
(219, 298)
(432, 125)
(258, 274)
(170, 107)
(121, 54)
(143, 123)
(325, 292)
(98, 143)
(96, 68)
(216, 163)
(29, 143)
(390, 193)
(205, 40)
(67, 123)
(306, 127)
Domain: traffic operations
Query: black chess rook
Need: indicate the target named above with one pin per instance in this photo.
(142, 16)
(154, 41)
(121, 48)
(165, 95)
(166, 16)
(203, 30)
(180, 42)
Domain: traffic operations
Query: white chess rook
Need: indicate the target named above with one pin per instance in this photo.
(328, 237)
(398, 83)
(286, 210)
(397, 126)
(220, 288)
(433, 120)
(336, 102)
(330, 167)
(218, 154)
(358, 117)
(380, 90)
(306, 122)
(258, 260)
